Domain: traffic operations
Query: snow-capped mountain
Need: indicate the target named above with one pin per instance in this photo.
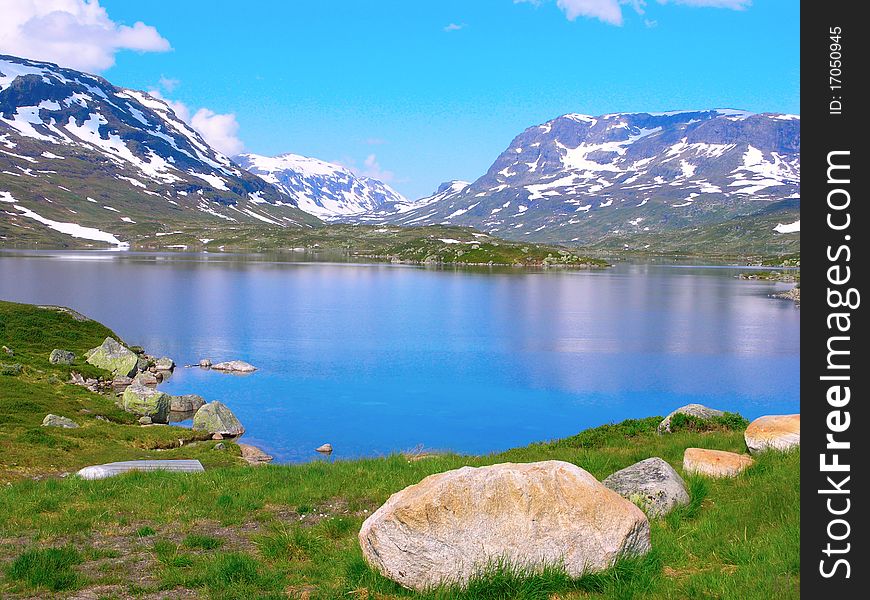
(77, 150)
(579, 178)
(329, 191)
(394, 211)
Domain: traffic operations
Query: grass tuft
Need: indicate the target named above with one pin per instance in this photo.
(47, 568)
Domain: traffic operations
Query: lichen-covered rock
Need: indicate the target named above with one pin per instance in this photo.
(112, 356)
(715, 463)
(58, 421)
(452, 525)
(216, 417)
(652, 484)
(773, 432)
(61, 357)
(234, 366)
(147, 402)
(186, 403)
(695, 410)
(164, 363)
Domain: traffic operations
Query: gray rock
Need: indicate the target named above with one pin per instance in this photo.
(216, 417)
(145, 378)
(61, 357)
(253, 455)
(58, 421)
(113, 356)
(145, 420)
(205, 363)
(652, 484)
(147, 402)
(325, 448)
(696, 410)
(164, 363)
(119, 384)
(234, 366)
(186, 403)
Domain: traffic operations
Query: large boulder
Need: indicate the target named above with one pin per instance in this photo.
(715, 463)
(147, 402)
(699, 411)
(186, 403)
(61, 357)
(776, 432)
(58, 421)
(112, 356)
(652, 484)
(234, 366)
(216, 417)
(453, 525)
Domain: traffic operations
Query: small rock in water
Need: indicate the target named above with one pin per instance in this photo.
(205, 363)
(146, 420)
(325, 448)
(61, 357)
(164, 363)
(58, 421)
(234, 366)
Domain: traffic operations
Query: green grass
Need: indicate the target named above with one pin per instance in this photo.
(47, 569)
(277, 530)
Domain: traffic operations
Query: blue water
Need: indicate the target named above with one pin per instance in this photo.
(382, 358)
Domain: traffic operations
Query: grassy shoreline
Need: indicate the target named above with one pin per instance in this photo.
(281, 531)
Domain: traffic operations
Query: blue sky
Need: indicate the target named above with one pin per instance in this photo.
(421, 91)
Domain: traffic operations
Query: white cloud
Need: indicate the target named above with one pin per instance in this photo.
(732, 4)
(610, 11)
(370, 168)
(454, 27)
(167, 83)
(219, 130)
(73, 33)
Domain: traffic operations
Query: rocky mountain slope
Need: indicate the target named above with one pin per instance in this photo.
(329, 191)
(583, 179)
(81, 157)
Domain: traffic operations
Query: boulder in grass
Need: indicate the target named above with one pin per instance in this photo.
(58, 421)
(61, 357)
(147, 402)
(450, 526)
(699, 411)
(216, 417)
(715, 463)
(186, 403)
(234, 366)
(112, 356)
(652, 484)
(773, 432)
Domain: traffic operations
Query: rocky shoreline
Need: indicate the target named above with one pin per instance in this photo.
(135, 378)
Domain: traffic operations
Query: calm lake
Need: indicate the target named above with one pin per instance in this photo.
(378, 358)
